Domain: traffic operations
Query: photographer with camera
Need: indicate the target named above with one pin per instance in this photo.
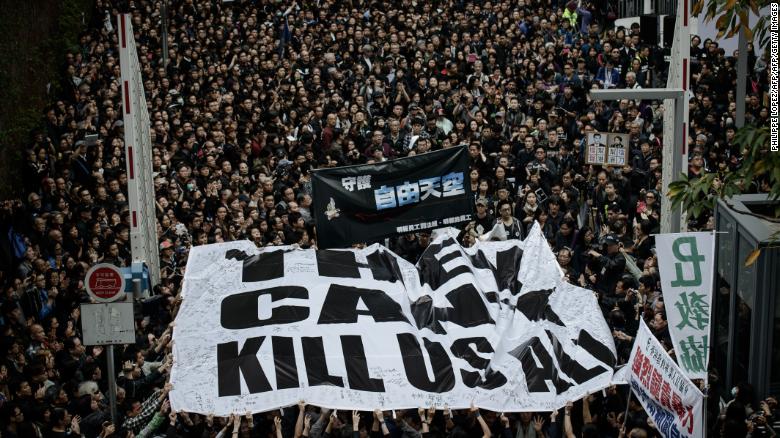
(611, 263)
(547, 170)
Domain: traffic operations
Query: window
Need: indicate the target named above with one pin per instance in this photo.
(746, 279)
(720, 345)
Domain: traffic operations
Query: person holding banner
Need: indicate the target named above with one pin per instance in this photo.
(506, 226)
(238, 128)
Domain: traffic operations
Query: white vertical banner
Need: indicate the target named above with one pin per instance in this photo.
(138, 153)
(686, 262)
(673, 402)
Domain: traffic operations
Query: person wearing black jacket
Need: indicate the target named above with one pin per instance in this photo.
(612, 264)
(483, 220)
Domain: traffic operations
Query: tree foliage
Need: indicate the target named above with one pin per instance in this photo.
(733, 15)
(759, 168)
(38, 35)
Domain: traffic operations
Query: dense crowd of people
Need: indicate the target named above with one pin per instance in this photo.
(257, 94)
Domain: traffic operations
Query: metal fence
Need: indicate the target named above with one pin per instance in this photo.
(665, 7)
(630, 8)
(635, 8)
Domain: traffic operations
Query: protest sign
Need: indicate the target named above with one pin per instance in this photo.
(493, 324)
(363, 203)
(686, 262)
(607, 149)
(669, 397)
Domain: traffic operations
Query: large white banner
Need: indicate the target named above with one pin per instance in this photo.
(494, 324)
(686, 263)
(668, 396)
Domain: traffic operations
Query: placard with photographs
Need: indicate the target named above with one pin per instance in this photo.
(607, 149)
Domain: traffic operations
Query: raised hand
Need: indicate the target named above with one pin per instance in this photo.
(278, 426)
(186, 417)
(355, 420)
(379, 415)
(74, 425)
(538, 423)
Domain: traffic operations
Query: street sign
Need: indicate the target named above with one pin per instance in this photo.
(108, 323)
(105, 283)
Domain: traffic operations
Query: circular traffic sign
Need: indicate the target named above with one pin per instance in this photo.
(105, 283)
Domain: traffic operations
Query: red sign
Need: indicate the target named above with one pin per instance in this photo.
(105, 283)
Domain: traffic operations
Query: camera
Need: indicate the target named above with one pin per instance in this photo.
(594, 246)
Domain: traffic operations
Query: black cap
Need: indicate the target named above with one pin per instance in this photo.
(614, 206)
(611, 239)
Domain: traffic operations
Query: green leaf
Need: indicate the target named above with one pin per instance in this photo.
(762, 167)
(675, 189)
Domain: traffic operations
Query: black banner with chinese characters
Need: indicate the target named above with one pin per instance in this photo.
(363, 203)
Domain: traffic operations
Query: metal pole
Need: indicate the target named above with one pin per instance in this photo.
(164, 25)
(706, 391)
(675, 148)
(628, 403)
(112, 383)
(679, 159)
(741, 79)
(138, 290)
